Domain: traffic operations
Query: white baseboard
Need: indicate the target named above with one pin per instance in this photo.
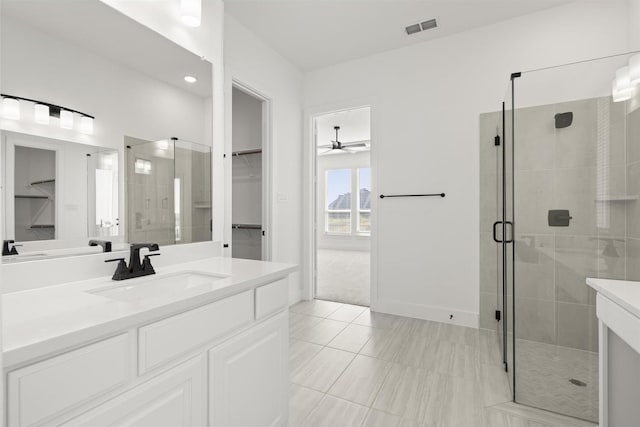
(425, 312)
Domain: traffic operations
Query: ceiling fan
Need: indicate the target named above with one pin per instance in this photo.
(337, 146)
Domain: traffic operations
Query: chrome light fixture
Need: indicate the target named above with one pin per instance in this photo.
(43, 111)
(191, 12)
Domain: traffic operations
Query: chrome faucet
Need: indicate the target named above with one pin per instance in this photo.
(136, 268)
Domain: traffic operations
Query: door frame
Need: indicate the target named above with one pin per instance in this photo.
(309, 201)
(267, 169)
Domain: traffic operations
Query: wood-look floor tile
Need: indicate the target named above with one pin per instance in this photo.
(347, 313)
(322, 332)
(352, 338)
(300, 353)
(377, 320)
(377, 418)
(495, 384)
(384, 344)
(316, 307)
(402, 391)
(463, 405)
(302, 401)
(300, 322)
(323, 369)
(361, 381)
(335, 412)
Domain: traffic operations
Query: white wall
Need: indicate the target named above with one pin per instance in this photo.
(425, 105)
(251, 62)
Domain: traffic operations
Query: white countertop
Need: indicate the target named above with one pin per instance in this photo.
(624, 293)
(42, 321)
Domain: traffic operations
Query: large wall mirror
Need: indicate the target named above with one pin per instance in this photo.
(106, 131)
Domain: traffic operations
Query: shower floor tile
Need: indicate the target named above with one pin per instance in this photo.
(543, 372)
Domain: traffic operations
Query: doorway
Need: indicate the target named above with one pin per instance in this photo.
(249, 176)
(343, 206)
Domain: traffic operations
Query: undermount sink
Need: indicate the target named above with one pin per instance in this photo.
(172, 285)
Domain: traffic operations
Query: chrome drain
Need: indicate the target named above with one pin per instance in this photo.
(577, 382)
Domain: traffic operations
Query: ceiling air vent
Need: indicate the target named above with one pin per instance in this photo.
(427, 25)
(422, 26)
(412, 29)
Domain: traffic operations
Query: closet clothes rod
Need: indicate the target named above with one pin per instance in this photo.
(384, 196)
(246, 226)
(246, 152)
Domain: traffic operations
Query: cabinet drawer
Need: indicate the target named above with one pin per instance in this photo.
(46, 389)
(272, 298)
(167, 339)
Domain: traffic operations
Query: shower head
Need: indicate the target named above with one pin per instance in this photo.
(564, 120)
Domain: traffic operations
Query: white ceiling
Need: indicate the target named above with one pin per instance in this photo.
(355, 125)
(317, 33)
(96, 27)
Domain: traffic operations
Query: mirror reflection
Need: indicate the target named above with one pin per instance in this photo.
(75, 94)
(168, 191)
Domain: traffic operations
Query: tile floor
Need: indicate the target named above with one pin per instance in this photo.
(350, 367)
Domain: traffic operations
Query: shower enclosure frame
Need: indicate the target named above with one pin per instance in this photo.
(509, 174)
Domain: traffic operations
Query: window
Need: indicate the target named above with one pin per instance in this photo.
(364, 200)
(348, 201)
(338, 201)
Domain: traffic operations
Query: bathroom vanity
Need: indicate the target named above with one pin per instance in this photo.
(618, 310)
(196, 344)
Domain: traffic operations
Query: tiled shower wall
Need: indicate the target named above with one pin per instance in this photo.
(633, 186)
(585, 168)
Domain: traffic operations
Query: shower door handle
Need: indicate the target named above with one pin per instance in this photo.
(495, 232)
(510, 240)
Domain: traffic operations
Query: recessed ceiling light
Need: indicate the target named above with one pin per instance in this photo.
(190, 79)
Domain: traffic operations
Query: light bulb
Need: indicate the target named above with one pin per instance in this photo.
(623, 79)
(41, 114)
(86, 125)
(11, 108)
(66, 119)
(191, 12)
(190, 79)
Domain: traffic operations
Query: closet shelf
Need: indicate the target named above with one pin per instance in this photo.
(44, 181)
(28, 196)
(622, 198)
(246, 152)
(202, 205)
(246, 226)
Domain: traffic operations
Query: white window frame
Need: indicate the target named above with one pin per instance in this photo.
(354, 212)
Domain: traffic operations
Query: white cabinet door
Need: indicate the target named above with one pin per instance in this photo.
(176, 398)
(248, 377)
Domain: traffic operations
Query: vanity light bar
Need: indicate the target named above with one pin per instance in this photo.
(44, 110)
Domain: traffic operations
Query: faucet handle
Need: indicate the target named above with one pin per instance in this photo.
(146, 263)
(121, 270)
